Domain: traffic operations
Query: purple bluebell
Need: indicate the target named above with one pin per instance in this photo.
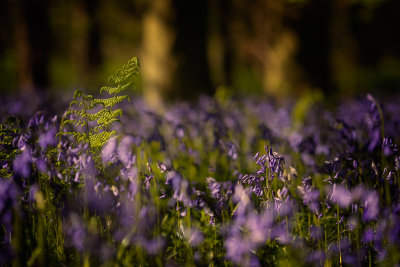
(368, 235)
(40, 164)
(214, 187)
(162, 167)
(75, 232)
(241, 197)
(316, 232)
(340, 195)
(310, 195)
(193, 236)
(124, 151)
(48, 138)
(108, 151)
(371, 206)
(22, 163)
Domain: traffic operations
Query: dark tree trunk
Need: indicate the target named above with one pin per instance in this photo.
(94, 54)
(37, 25)
(227, 50)
(192, 74)
(174, 62)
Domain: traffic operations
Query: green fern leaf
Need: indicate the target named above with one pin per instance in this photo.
(84, 109)
(109, 102)
(98, 140)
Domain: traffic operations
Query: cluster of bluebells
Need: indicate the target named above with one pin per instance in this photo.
(232, 182)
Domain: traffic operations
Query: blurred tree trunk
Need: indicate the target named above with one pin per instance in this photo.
(33, 43)
(225, 20)
(192, 76)
(280, 45)
(22, 48)
(174, 61)
(266, 44)
(343, 48)
(314, 28)
(220, 48)
(94, 56)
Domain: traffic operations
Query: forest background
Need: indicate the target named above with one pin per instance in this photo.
(334, 48)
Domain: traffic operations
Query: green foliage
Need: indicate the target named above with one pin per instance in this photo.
(8, 132)
(90, 118)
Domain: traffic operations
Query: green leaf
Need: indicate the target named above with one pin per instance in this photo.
(108, 102)
(83, 108)
(99, 139)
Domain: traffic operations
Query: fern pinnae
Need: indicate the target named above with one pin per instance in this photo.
(109, 102)
(84, 112)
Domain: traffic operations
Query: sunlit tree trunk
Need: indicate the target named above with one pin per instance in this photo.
(266, 45)
(158, 63)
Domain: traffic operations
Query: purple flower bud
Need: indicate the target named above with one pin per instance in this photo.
(256, 156)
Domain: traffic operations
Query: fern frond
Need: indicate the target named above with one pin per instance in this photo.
(97, 115)
(77, 94)
(110, 117)
(72, 112)
(108, 102)
(76, 135)
(104, 117)
(82, 109)
(118, 89)
(99, 139)
(122, 75)
(74, 122)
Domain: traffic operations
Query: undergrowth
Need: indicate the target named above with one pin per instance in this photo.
(217, 183)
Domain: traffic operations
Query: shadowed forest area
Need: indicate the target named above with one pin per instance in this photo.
(282, 48)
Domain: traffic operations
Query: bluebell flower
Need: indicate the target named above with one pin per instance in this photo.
(41, 165)
(129, 174)
(340, 195)
(75, 232)
(371, 206)
(48, 138)
(124, 151)
(152, 246)
(22, 163)
(241, 197)
(193, 236)
(316, 232)
(368, 235)
(214, 187)
(310, 195)
(108, 151)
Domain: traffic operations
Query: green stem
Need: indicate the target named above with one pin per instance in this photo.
(358, 247)
(338, 234)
